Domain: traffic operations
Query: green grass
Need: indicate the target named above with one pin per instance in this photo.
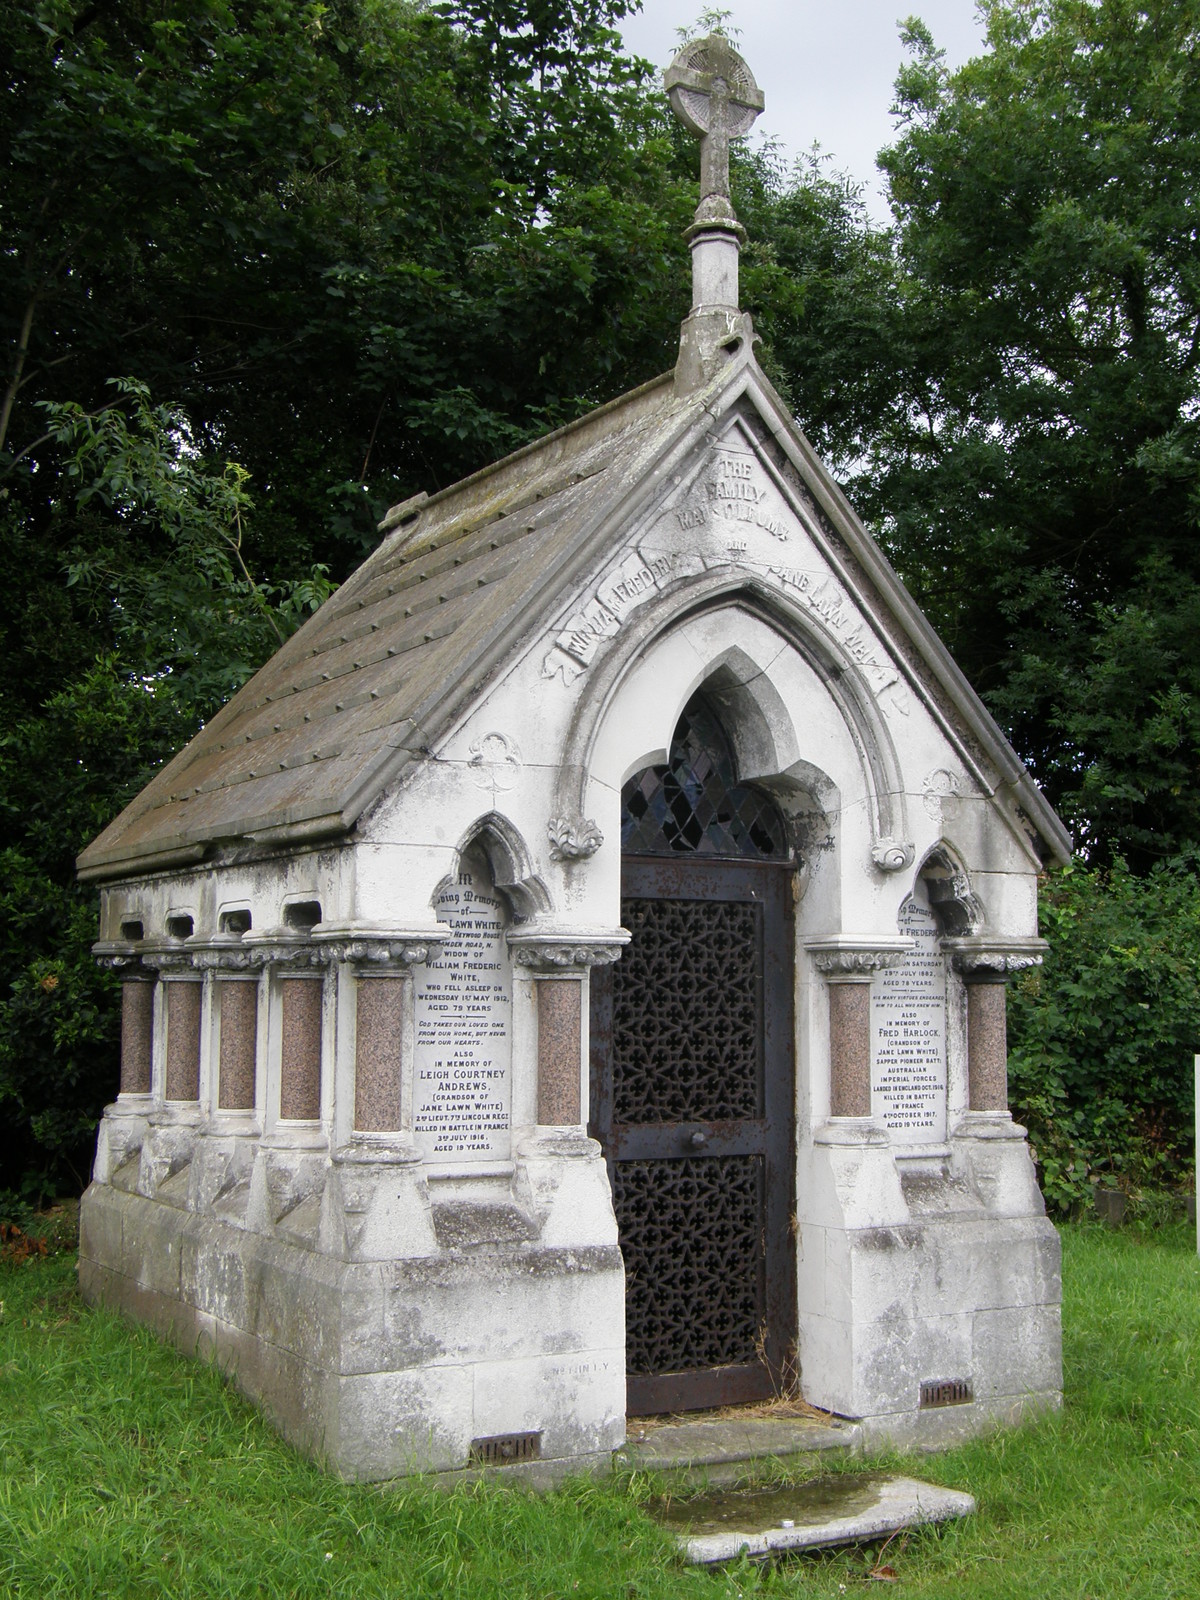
(128, 1470)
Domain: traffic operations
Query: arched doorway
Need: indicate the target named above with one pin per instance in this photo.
(692, 1080)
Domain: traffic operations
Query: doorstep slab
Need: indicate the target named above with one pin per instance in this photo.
(727, 1444)
(846, 1509)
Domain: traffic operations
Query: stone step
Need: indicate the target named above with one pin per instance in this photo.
(718, 1450)
(848, 1508)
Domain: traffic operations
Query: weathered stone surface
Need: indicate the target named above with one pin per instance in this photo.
(863, 1511)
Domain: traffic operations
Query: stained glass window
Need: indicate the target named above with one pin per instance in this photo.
(695, 805)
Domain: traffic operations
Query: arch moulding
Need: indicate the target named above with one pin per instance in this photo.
(573, 836)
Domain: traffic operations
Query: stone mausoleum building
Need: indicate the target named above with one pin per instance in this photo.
(568, 981)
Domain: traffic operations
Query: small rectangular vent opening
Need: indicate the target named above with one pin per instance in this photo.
(132, 930)
(235, 922)
(302, 914)
(505, 1449)
(181, 926)
(946, 1392)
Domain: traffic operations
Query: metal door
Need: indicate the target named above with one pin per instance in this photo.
(692, 1097)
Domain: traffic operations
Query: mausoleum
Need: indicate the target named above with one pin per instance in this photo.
(568, 981)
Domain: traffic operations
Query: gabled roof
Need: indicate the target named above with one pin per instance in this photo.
(460, 582)
(316, 734)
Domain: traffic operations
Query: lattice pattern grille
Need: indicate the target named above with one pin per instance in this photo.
(692, 1238)
(695, 805)
(687, 997)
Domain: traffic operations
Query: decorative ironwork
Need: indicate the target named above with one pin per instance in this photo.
(692, 1237)
(695, 805)
(687, 1004)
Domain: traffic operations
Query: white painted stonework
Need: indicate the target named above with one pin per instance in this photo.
(407, 827)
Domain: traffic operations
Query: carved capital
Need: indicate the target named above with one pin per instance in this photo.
(283, 948)
(981, 960)
(380, 949)
(169, 960)
(553, 952)
(891, 855)
(227, 953)
(849, 957)
(573, 838)
(123, 959)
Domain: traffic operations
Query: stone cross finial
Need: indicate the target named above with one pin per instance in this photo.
(713, 93)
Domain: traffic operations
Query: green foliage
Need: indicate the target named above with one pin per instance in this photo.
(150, 536)
(1036, 474)
(132, 1470)
(1101, 1038)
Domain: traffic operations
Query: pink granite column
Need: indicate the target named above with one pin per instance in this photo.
(301, 1003)
(379, 1051)
(183, 1039)
(560, 1049)
(850, 1047)
(137, 1033)
(987, 1041)
(556, 963)
(237, 1000)
(849, 965)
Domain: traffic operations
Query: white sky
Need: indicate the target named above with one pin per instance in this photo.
(826, 69)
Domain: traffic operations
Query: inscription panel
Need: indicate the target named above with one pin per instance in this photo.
(462, 1083)
(908, 1033)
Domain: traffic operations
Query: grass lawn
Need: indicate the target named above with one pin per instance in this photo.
(128, 1470)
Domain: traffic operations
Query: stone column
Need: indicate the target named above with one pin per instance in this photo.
(301, 1003)
(137, 1032)
(557, 963)
(184, 994)
(382, 961)
(986, 966)
(236, 973)
(237, 1063)
(848, 967)
(123, 1128)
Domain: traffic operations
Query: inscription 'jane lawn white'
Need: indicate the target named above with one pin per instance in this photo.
(462, 1090)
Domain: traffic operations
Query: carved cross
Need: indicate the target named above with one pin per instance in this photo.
(713, 93)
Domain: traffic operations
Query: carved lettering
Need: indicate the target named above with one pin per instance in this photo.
(463, 998)
(908, 1033)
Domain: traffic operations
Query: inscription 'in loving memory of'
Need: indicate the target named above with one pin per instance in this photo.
(463, 1062)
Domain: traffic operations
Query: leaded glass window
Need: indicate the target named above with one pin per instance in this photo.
(695, 805)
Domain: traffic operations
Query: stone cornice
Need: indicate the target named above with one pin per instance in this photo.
(554, 950)
(851, 956)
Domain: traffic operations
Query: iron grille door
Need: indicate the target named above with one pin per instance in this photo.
(692, 1102)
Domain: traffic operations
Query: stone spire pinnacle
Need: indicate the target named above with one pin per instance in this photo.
(713, 93)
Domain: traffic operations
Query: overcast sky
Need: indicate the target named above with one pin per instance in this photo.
(826, 67)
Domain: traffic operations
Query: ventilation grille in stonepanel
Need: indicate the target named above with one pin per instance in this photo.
(506, 1449)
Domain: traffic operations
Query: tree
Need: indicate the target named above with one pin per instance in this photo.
(320, 242)
(1037, 473)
